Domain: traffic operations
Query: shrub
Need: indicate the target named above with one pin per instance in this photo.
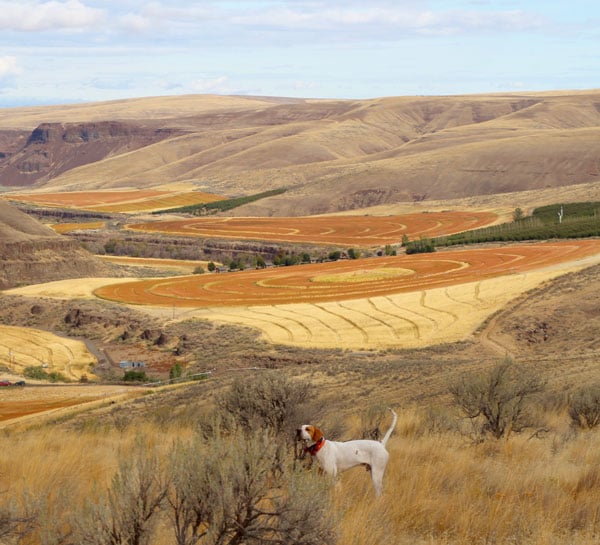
(497, 401)
(221, 486)
(38, 373)
(176, 371)
(584, 407)
(129, 511)
(267, 401)
(135, 376)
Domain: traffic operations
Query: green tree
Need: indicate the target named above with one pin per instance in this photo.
(518, 214)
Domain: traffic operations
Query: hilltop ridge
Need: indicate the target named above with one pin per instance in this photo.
(332, 155)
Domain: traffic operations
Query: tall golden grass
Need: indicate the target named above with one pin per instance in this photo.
(440, 488)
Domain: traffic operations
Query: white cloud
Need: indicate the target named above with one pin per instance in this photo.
(218, 85)
(384, 18)
(26, 16)
(9, 67)
(135, 22)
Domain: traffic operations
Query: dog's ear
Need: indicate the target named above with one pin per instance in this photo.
(317, 434)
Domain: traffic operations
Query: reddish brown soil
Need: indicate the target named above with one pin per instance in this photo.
(87, 198)
(347, 279)
(362, 231)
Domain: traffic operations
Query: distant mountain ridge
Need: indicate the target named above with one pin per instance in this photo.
(332, 155)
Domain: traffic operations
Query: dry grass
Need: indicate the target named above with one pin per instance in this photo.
(443, 490)
(439, 488)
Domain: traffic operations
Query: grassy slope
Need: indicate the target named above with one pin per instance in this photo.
(351, 153)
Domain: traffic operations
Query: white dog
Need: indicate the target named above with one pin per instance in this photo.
(335, 456)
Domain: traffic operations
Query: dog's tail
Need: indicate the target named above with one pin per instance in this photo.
(389, 432)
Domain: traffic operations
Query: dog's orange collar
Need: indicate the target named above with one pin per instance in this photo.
(313, 449)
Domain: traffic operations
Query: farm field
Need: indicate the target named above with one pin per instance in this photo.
(20, 404)
(363, 231)
(22, 347)
(182, 265)
(403, 301)
(133, 201)
(63, 228)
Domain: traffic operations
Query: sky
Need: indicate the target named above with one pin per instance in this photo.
(67, 51)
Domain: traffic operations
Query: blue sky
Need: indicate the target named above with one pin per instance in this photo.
(62, 51)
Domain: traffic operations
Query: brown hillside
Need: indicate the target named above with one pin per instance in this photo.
(54, 148)
(32, 253)
(560, 319)
(333, 155)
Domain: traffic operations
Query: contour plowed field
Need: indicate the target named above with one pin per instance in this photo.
(407, 301)
(118, 201)
(339, 230)
(347, 279)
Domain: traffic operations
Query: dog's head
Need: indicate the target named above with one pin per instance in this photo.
(309, 433)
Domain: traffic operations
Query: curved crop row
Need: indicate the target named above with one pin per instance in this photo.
(363, 231)
(346, 279)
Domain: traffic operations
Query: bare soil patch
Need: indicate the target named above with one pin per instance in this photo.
(20, 404)
(302, 283)
(363, 231)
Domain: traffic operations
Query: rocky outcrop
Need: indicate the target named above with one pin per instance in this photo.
(31, 253)
(53, 148)
(39, 261)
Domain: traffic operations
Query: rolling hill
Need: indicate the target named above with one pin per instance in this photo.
(333, 155)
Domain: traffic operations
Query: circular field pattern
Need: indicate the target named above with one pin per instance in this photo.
(325, 282)
(348, 231)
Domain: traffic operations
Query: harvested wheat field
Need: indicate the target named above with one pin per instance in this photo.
(179, 265)
(22, 347)
(403, 301)
(132, 201)
(19, 405)
(361, 231)
(63, 228)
